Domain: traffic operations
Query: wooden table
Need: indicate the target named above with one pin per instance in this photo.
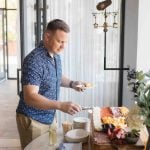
(42, 142)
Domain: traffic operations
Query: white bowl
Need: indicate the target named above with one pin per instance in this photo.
(80, 119)
(77, 135)
(80, 123)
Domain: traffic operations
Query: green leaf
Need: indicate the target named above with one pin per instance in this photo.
(141, 104)
(140, 75)
(147, 122)
(147, 74)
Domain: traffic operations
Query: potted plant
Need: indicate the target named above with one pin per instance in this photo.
(132, 136)
(140, 86)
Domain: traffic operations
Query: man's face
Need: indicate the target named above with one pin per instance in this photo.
(56, 41)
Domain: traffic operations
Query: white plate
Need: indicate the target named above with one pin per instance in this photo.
(86, 87)
(77, 135)
(80, 86)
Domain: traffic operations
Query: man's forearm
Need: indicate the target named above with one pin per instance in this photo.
(38, 101)
(65, 82)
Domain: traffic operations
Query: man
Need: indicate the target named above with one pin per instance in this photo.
(41, 81)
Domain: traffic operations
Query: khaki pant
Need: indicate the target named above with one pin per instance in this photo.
(29, 129)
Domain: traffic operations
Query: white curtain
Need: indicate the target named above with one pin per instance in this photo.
(83, 59)
(29, 25)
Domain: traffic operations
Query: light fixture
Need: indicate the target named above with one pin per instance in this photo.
(106, 16)
(101, 6)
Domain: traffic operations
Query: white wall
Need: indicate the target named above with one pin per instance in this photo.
(130, 44)
(143, 55)
(137, 31)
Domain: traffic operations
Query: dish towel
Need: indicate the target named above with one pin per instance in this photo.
(70, 146)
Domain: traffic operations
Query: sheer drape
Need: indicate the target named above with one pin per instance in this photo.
(83, 57)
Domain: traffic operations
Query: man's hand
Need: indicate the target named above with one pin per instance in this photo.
(79, 85)
(69, 107)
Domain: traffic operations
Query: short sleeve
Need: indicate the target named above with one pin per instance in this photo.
(31, 72)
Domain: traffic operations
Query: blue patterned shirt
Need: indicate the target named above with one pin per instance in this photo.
(41, 70)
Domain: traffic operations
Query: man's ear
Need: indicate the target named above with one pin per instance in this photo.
(47, 36)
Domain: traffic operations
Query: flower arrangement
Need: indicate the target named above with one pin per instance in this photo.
(117, 135)
(134, 120)
(123, 136)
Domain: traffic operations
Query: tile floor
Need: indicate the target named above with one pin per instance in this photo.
(9, 138)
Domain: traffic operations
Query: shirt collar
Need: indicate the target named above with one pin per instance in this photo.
(49, 54)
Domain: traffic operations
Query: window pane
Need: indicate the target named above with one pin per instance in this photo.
(2, 75)
(12, 43)
(12, 4)
(2, 3)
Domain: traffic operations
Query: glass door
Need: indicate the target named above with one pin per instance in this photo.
(8, 39)
(2, 46)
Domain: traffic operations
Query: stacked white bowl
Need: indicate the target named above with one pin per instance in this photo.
(80, 123)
